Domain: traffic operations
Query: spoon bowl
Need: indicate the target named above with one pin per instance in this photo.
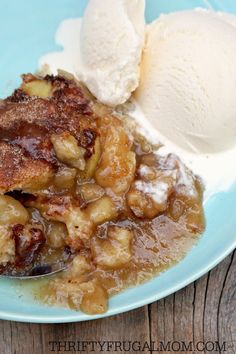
(38, 271)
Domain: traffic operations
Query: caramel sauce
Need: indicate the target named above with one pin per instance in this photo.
(157, 245)
(33, 139)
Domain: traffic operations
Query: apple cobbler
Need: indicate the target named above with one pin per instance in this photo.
(78, 184)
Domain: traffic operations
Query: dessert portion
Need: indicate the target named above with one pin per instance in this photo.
(188, 80)
(80, 184)
(78, 181)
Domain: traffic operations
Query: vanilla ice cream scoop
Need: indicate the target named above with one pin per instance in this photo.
(188, 79)
(112, 38)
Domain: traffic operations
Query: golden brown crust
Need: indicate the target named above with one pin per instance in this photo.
(18, 171)
(27, 157)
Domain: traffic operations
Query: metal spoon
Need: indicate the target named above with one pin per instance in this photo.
(38, 270)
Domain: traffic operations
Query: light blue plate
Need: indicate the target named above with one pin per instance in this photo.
(27, 29)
